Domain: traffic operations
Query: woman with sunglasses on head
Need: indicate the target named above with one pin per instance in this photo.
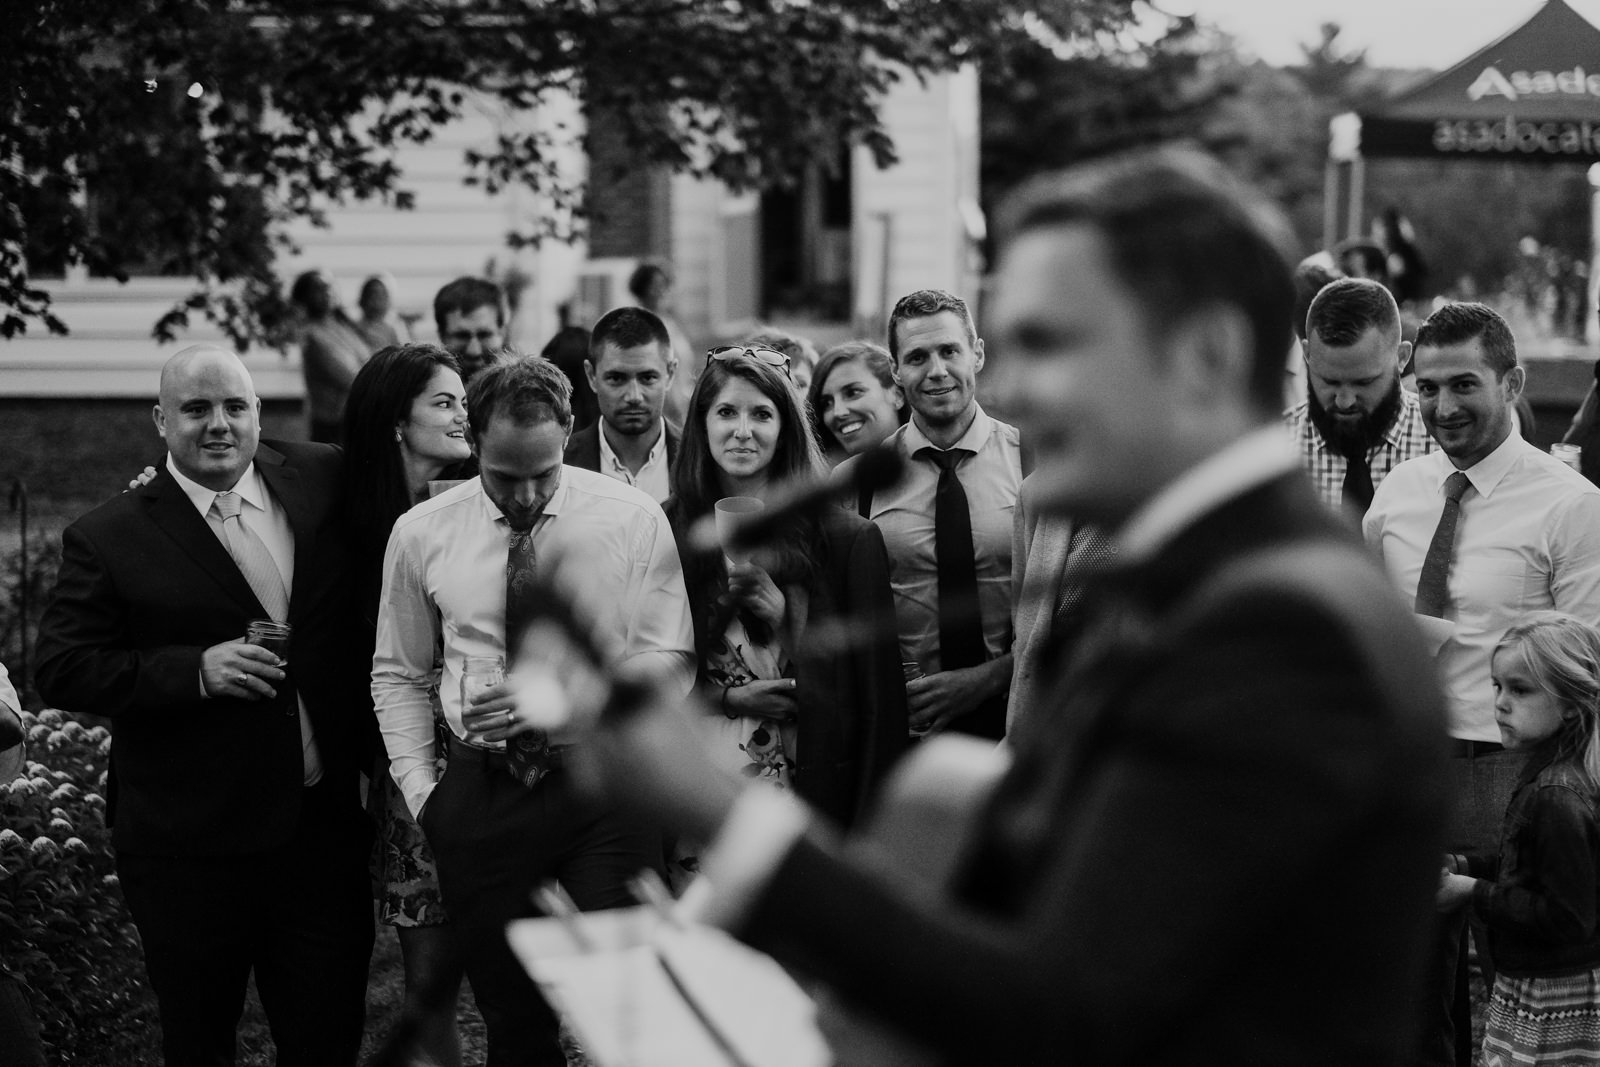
(799, 661)
(855, 403)
(405, 425)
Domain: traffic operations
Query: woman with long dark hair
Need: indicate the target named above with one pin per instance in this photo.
(405, 425)
(799, 661)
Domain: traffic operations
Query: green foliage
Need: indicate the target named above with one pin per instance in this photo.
(64, 930)
(304, 103)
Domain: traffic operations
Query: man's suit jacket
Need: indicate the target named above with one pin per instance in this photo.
(1039, 548)
(583, 450)
(1221, 847)
(145, 588)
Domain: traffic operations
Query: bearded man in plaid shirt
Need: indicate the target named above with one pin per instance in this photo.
(1356, 424)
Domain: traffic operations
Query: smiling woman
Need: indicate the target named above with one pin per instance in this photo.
(797, 649)
(404, 425)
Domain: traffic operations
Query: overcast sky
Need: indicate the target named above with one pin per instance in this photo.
(1395, 33)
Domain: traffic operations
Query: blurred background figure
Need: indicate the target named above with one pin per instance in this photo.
(651, 287)
(332, 350)
(1408, 271)
(801, 352)
(855, 403)
(794, 698)
(405, 425)
(379, 324)
(568, 349)
(470, 314)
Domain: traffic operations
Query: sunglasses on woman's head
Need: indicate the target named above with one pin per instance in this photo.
(765, 355)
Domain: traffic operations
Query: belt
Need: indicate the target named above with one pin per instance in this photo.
(495, 758)
(1469, 749)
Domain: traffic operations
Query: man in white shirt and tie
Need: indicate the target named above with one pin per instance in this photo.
(505, 817)
(1482, 531)
(234, 790)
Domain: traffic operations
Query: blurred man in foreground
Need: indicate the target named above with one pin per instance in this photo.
(1247, 741)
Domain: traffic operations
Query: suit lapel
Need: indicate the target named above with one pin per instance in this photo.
(171, 510)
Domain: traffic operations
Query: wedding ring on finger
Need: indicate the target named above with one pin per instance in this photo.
(243, 678)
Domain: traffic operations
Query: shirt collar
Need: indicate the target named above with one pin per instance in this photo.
(1491, 470)
(973, 440)
(1397, 429)
(1255, 458)
(248, 487)
(608, 457)
(552, 507)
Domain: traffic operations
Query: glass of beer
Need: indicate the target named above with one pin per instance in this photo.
(270, 635)
(479, 673)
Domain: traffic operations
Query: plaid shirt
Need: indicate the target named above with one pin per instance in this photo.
(1406, 439)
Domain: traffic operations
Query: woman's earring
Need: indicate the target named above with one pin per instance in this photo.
(397, 435)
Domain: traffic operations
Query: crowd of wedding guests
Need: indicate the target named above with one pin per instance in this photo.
(1255, 782)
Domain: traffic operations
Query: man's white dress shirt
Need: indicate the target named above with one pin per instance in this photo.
(603, 544)
(1528, 539)
(652, 477)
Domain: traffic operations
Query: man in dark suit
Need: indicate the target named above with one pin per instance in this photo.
(630, 368)
(1247, 741)
(233, 794)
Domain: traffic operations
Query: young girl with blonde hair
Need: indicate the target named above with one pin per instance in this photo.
(1540, 896)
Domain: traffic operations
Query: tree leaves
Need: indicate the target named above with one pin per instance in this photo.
(110, 163)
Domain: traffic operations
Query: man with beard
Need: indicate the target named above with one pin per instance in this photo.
(630, 368)
(1356, 424)
(1482, 531)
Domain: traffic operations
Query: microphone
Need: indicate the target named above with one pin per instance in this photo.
(876, 469)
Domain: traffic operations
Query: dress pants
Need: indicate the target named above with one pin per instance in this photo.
(1481, 785)
(495, 841)
(299, 915)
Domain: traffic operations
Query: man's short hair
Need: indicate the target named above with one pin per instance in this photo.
(522, 388)
(922, 304)
(1181, 234)
(1347, 308)
(466, 295)
(1458, 323)
(629, 327)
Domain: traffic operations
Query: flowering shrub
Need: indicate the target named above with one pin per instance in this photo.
(64, 929)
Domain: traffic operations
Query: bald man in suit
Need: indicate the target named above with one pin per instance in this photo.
(233, 793)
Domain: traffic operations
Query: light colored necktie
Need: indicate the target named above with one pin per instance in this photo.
(255, 562)
(266, 580)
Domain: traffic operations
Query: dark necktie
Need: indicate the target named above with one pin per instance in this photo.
(960, 621)
(1357, 491)
(529, 756)
(1433, 591)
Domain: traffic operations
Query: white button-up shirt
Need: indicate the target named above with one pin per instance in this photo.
(603, 544)
(1528, 539)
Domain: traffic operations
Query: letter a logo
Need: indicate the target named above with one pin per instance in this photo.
(1491, 83)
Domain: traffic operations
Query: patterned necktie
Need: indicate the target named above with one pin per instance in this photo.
(1433, 592)
(1089, 552)
(529, 756)
(1357, 490)
(250, 553)
(960, 621)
